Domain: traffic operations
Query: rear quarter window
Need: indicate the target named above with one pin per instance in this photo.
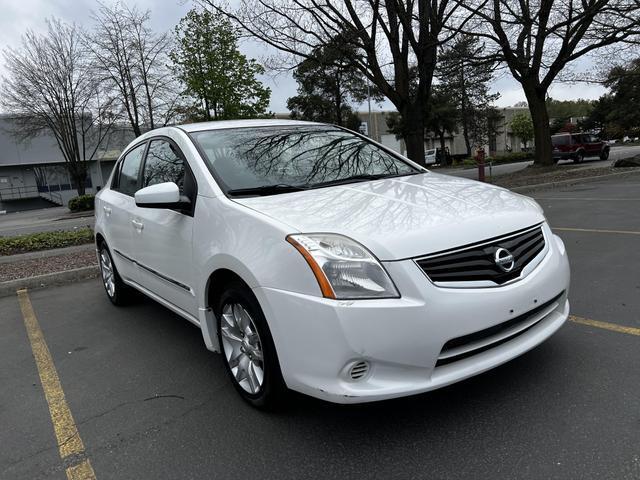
(561, 140)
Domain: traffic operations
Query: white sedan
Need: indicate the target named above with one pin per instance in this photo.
(316, 260)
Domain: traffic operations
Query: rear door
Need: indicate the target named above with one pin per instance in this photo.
(162, 238)
(593, 145)
(117, 205)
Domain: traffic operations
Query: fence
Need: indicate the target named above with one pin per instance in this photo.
(18, 193)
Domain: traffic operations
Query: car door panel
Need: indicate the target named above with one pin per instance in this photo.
(117, 204)
(162, 237)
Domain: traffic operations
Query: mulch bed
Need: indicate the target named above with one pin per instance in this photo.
(538, 175)
(42, 266)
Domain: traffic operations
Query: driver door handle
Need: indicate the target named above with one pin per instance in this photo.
(138, 225)
(107, 210)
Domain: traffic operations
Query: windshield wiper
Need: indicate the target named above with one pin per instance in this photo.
(266, 190)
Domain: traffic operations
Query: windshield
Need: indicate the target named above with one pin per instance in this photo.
(561, 140)
(306, 157)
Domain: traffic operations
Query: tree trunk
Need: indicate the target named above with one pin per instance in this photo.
(79, 184)
(78, 176)
(443, 156)
(413, 121)
(536, 96)
(465, 134)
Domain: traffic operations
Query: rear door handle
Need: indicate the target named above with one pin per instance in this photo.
(107, 210)
(138, 225)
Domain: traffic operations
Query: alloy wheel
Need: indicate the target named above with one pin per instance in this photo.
(106, 269)
(242, 347)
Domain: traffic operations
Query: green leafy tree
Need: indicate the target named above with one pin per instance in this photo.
(220, 78)
(441, 118)
(522, 127)
(328, 83)
(465, 75)
(569, 108)
(617, 113)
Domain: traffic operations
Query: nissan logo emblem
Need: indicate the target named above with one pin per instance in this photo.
(504, 260)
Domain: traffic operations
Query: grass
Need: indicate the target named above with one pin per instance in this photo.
(45, 241)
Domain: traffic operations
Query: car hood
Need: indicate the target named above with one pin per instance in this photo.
(404, 217)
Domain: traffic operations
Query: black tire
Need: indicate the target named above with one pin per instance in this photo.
(579, 158)
(272, 392)
(605, 154)
(121, 294)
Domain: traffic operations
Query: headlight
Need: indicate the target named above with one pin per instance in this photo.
(344, 268)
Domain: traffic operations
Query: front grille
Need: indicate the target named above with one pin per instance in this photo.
(477, 342)
(477, 263)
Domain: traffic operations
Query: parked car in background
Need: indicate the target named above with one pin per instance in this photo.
(578, 146)
(314, 260)
(430, 156)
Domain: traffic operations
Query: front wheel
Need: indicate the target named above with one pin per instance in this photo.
(247, 348)
(604, 155)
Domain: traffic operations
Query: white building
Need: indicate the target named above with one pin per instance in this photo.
(36, 168)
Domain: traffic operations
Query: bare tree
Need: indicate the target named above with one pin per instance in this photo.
(537, 39)
(133, 60)
(393, 36)
(51, 88)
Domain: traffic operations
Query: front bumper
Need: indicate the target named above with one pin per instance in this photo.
(402, 339)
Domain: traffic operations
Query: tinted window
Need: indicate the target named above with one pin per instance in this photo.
(164, 164)
(301, 156)
(560, 140)
(129, 170)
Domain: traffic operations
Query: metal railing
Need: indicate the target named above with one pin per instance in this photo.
(18, 193)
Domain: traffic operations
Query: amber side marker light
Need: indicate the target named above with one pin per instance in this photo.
(323, 282)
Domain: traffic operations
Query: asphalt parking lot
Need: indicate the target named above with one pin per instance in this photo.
(149, 401)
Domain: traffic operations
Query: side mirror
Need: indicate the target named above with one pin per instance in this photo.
(162, 195)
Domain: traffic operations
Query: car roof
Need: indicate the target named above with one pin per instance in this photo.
(220, 124)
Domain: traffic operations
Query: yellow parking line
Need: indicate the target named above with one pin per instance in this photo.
(69, 441)
(593, 230)
(605, 325)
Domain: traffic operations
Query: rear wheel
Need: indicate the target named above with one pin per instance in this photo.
(579, 158)
(247, 348)
(117, 291)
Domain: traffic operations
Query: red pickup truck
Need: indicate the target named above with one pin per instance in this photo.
(577, 146)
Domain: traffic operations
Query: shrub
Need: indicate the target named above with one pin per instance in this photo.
(511, 157)
(45, 241)
(82, 203)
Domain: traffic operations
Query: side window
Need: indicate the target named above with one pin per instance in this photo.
(164, 164)
(127, 179)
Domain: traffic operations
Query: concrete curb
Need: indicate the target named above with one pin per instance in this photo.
(573, 181)
(57, 278)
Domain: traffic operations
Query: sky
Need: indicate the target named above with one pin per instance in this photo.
(20, 15)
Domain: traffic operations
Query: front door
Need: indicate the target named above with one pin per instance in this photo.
(162, 238)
